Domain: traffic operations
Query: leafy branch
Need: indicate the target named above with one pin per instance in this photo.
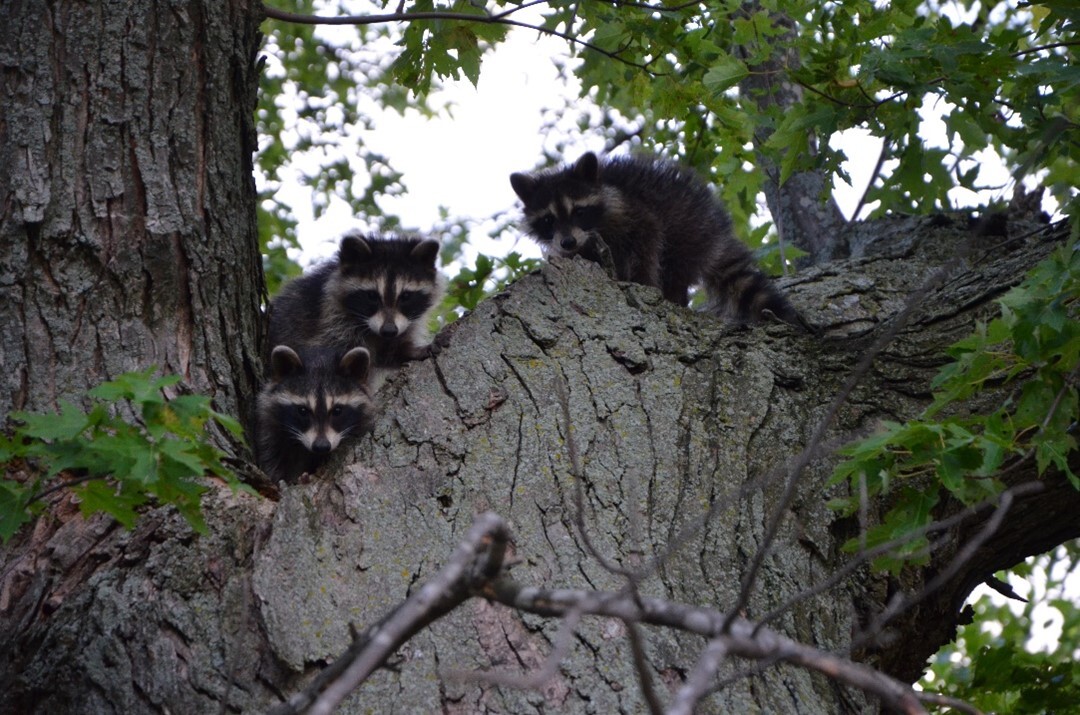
(483, 17)
(110, 463)
(966, 456)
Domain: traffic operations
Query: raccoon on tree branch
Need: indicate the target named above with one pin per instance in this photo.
(336, 333)
(662, 225)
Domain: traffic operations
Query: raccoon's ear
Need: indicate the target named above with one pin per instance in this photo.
(425, 252)
(355, 364)
(587, 168)
(354, 249)
(284, 362)
(524, 186)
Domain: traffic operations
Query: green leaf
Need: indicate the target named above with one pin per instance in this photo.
(725, 73)
(179, 462)
(69, 424)
(127, 463)
(13, 511)
(99, 495)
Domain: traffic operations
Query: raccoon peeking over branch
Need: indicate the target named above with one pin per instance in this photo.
(377, 292)
(314, 399)
(661, 224)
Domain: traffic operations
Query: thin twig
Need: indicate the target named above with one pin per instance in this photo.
(501, 18)
(873, 177)
(641, 665)
(864, 555)
(899, 603)
(946, 701)
(560, 649)
(698, 682)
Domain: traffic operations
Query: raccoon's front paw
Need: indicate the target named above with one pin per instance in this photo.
(439, 343)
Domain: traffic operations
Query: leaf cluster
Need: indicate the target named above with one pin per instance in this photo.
(111, 463)
(1031, 355)
(708, 81)
(489, 275)
(994, 663)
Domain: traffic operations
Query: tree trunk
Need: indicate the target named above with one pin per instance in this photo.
(671, 414)
(128, 237)
(127, 201)
(803, 210)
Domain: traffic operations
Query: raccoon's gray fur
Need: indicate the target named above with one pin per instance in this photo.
(661, 224)
(377, 292)
(315, 399)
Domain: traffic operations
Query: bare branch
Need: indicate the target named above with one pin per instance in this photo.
(946, 701)
(700, 678)
(478, 558)
(873, 177)
(641, 665)
(474, 569)
(739, 636)
(865, 555)
(899, 602)
(534, 681)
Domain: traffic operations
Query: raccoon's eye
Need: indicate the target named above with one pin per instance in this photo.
(363, 302)
(301, 411)
(544, 226)
(337, 411)
(413, 303)
(585, 216)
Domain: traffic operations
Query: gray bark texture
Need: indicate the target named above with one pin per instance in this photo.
(127, 218)
(671, 415)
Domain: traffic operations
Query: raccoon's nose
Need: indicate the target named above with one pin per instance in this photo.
(568, 242)
(321, 445)
(388, 330)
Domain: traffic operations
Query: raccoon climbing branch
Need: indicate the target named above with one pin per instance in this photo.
(477, 568)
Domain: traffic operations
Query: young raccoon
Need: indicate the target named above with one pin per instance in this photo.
(314, 399)
(378, 293)
(661, 224)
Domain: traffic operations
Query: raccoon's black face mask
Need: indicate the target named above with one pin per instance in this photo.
(564, 208)
(394, 283)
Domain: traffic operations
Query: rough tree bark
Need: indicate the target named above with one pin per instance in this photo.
(127, 215)
(671, 414)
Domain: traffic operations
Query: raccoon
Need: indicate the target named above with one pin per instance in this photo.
(314, 399)
(377, 293)
(661, 224)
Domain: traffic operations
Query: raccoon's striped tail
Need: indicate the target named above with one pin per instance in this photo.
(740, 293)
